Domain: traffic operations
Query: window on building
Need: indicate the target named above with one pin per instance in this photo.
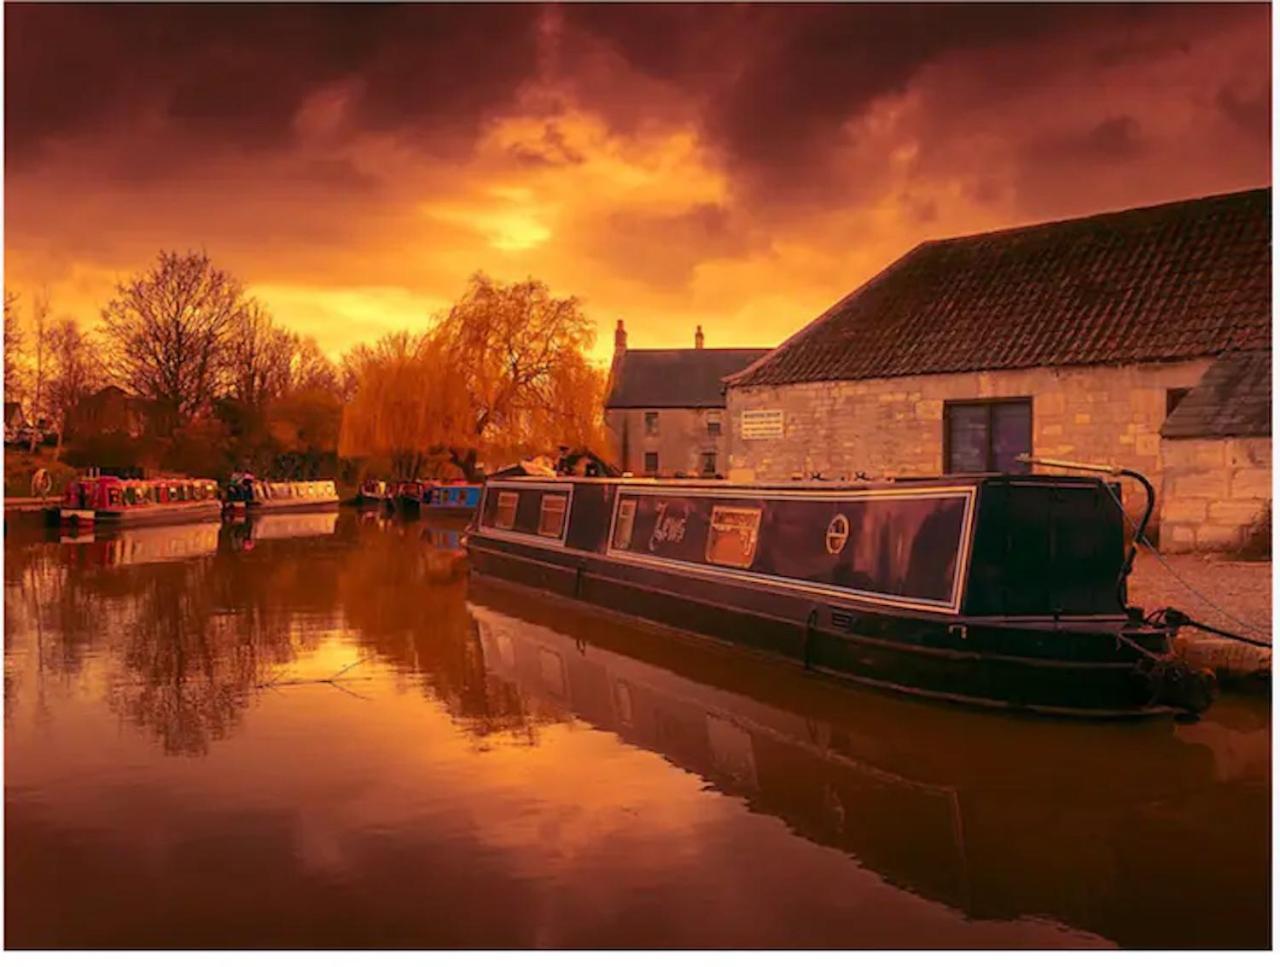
(651, 462)
(1172, 397)
(709, 463)
(506, 514)
(732, 537)
(986, 437)
(651, 423)
(713, 425)
(551, 515)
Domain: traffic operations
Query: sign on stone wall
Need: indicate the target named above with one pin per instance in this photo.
(761, 424)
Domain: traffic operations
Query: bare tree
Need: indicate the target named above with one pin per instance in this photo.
(76, 371)
(41, 329)
(311, 369)
(14, 366)
(167, 333)
(259, 357)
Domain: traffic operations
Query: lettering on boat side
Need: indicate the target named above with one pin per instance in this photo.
(668, 528)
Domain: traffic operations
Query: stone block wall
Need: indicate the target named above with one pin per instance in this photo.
(682, 438)
(1215, 492)
(894, 427)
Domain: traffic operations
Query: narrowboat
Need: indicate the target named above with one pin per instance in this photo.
(245, 493)
(460, 499)
(410, 495)
(374, 492)
(1004, 591)
(114, 501)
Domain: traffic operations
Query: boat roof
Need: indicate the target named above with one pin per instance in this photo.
(703, 482)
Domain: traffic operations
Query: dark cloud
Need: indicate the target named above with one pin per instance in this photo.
(773, 87)
(664, 250)
(1251, 114)
(1111, 139)
(237, 73)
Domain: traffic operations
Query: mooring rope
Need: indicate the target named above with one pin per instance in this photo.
(1180, 617)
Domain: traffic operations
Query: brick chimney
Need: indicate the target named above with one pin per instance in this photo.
(697, 338)
(619, 339)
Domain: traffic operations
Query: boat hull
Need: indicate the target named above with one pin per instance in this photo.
(291, 505)
(144, 516)
(1074, 669)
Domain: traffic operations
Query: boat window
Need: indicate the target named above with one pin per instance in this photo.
(506, 515)
(551, 515)
(625, 523)
(732, 537)
(113, 497)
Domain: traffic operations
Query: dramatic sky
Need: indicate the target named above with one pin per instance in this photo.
(736, 166)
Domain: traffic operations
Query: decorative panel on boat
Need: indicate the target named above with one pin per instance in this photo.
(905, 545)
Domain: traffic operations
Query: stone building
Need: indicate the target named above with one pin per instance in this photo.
(1215, 449)
(1074, 339)
(665, 407)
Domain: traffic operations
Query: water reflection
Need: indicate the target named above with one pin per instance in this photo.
(317, 734)
(1098, 827)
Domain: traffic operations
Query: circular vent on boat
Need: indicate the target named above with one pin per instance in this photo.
(837, 533)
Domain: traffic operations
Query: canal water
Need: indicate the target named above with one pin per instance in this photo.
(313, 732)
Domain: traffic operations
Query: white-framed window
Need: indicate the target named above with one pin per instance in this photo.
(625, 523)
(733, 536)
(651, 423)
(551, 514)
(505, 517)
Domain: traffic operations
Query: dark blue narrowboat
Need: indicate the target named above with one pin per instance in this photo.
(997, 590)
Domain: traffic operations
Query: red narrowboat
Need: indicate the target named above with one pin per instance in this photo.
(114, 501)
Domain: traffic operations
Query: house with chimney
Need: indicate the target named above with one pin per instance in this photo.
(1138, 338)
(665, 408)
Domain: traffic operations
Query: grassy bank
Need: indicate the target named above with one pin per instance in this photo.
(21, 465)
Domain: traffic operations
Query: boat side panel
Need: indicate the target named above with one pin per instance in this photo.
(904, 546)
(1044, 547)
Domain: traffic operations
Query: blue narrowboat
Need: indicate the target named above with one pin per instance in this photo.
(454, 498)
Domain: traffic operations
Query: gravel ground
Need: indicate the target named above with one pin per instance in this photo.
(1242, 588)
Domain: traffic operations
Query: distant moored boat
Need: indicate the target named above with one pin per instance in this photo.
(113, 501)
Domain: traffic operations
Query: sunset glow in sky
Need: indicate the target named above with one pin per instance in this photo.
(739, 167)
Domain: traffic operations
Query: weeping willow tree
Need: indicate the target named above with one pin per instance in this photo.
(407, 406)
(528, 386)
(502, 376)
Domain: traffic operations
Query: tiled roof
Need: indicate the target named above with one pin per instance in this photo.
(1175, 281)
(1233, 398)
(661, 378)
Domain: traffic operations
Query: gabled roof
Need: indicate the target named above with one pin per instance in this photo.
(1175, 281)
(664, 378)
(1233, 398)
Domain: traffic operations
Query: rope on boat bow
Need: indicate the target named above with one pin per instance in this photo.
(1163, 619)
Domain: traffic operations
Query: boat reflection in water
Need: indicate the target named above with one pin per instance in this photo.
(277, 526)
(168, 542)
(331, 743)
(1097, 827)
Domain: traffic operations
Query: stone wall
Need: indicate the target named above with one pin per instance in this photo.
(894, 427)
(682, 439)
(1215, 492)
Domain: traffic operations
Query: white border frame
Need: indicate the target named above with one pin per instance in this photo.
(963, 554)
(514, 535)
